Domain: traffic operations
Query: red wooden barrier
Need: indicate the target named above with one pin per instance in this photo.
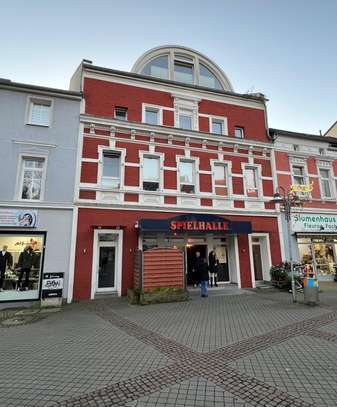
(163, 267)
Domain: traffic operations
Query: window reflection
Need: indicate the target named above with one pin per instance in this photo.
(207, 79)
(183, 72)
(158, 67)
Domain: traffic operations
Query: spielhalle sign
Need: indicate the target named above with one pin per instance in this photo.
(194, 223)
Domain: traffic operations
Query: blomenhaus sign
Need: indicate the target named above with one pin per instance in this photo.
(314, 223)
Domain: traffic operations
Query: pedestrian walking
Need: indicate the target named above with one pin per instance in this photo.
(204, 269)
(197, 269)
(213, 268)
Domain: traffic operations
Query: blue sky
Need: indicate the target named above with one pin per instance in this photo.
(286, 49)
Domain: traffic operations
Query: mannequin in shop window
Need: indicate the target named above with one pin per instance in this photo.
(213, 266)
(25, 264)
(6, 261)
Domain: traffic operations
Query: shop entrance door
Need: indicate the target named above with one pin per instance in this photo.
(222, 268)
(191, 258)
(106, 273)
(258, 271)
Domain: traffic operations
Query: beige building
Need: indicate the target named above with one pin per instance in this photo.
(332, 131)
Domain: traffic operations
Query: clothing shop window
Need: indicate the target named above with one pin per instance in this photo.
(39, 113)
(111, 174)
(251, 182)
(220, 177)
(121, 113)
(151, 173)
(32, 178)
(187, 176)
(325, 183)
(151, 116)
(20, 266)
(183, 69)
(239, 132)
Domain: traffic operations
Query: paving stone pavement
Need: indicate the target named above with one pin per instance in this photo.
(248, 350)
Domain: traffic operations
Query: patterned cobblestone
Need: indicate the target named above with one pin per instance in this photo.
(108, 353)
(197, 392)
(303, 367)
(207, 325)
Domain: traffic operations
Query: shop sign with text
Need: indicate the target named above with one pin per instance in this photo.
(314, 223)
(199, 226)
(18, 218)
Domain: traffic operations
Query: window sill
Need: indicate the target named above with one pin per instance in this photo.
(38, 125)
(29, 200)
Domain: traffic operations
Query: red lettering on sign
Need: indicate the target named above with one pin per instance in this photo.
(199, 226)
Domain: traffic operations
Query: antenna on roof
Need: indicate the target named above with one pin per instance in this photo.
(250, 90)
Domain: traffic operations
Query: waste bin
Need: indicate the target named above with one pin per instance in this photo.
(310, 288)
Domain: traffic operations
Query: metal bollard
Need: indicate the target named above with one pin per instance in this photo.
(310, 288)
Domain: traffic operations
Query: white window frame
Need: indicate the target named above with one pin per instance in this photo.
(221, 119)
(144, 154)
(300, 162)
(305, 172)
(242, 132)
(31, 99)
(186, 107)
(186, 60)
(20, 176)
(186, 113)
(121, 107)
(330, 179)
(228, 166)
(194, 160)
(101, 151)
(258, 180)
(156, 108)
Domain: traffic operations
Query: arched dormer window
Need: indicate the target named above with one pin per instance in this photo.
(157, 67)
(184, 65)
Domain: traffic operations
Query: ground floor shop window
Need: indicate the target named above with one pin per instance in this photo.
(320, 254)
(190, 246)
(20, 266)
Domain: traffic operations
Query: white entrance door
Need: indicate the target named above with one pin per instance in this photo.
(106, 267)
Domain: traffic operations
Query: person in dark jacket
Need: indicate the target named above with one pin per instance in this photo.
(197, 268)
(204, 269)
(6, 260)
(25, 263)
(213, 265)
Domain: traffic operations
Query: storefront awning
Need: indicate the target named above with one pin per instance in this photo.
(194, 223)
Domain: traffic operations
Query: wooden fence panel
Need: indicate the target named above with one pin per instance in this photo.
(163, 267)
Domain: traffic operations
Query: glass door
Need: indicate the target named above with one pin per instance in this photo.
(106, 273)
(324, 259)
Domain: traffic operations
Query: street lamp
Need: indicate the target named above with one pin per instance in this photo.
(287, 199)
